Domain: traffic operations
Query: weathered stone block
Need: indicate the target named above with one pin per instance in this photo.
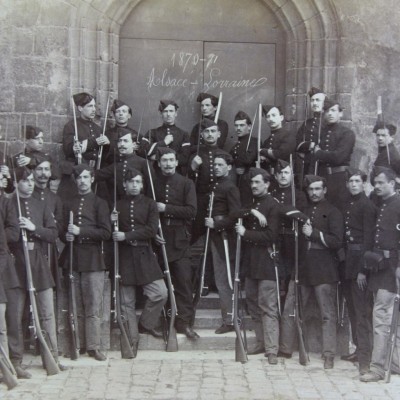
(22, 40)
(25, 13)
(6, 99)
(57, 125)
(29, 98)
(56, 13)
(30, 71)
(49, 39)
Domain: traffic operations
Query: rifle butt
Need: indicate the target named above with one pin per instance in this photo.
(303, 355)
(240, 352)
(126, 348)
(172, 340)
(9, 378)
(74, 352)
(48, 360)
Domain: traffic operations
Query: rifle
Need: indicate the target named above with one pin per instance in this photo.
(319, 140)
(240, 348)
(204, 261)
(78, 154)
(258, 162)
(304, 138)
(251, 130)
(304, 359)
(48, 360)
(72, 311)
(381, 119)
(7, 369)
(391, 343)
(5, 144)
(216, 118)
(100, 153)
(274, 255)
(172, 341)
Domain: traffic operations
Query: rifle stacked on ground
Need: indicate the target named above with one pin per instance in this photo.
(7, 369)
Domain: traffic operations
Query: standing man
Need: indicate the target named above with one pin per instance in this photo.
(34, 140)
(244, 154)
(359, 220)
(323, 234)
(168, 135)
(307, 135)
(384, 267)
(259, 233)
(221, 223)
(89, 139)
(41, 228)
(91, 225)
(333, 153)
(281, 143)
(176, 203)
(208, 107)
(138, 224)
(388, 155)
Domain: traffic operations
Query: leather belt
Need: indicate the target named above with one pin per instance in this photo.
(173, 221)
(286, 231)
(30, 245)
(387, 253)
(335, 170)
(316, 246)
(219, 217)
(136, 243)
(353, 246)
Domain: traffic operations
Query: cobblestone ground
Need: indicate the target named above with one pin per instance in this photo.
(197, 375)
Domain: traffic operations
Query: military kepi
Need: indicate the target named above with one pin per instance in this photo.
(81, 99)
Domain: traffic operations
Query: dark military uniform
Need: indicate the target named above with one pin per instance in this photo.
(91, 215)
(259, 269)
(282, 143)
(337, 143)
(244, 158)
(318, 271)
(222, 127)
(388, 157)
(181, 143)
(359, 219)
(138, 219)
(179, 196)
(383, 281)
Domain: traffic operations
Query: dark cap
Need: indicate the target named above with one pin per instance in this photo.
(329, 103)
(118, 104)
(259, 171)
(32, 131)
(131, 173)
(203, 96)
(165, 103)
(224, 155)
(207, 123)
(241, 115)
(22, 173)
(38, 157)
(280, 165)
(313, 91)
(123, 131)
(389, 173)
(309, 179)
(351, 171)
(267, 107)
(78, 169)
(164, 150)
(81, 99)
(380, 125)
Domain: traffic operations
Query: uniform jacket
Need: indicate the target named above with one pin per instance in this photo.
(243, 157)
(138, 219)
(282, 143)
(382, 159)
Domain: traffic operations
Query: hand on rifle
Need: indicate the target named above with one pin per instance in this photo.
(73, 229)
(5, 171)
(160, 207)
(114, 216)
(27, 224)
(209, 223)
(102, 140)
(118, 236)
(136, 146)
(240, 229)
(77, 148)
(69, 237)
(23, 160)
(316, 148)
(307, 228)
(159, 240)
(261, 218)
(168, 139)
(3, 181)
(240, 171)
(361, 281)
(398, 277)
(196, 162)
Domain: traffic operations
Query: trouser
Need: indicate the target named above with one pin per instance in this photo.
(288, 323)
(221, 278)
(325, 295)
(90, 294)
(15, 308)
(156, 296)
(382, 318)
(347, 294)
(262, 304)
(182, 278)
(3, 327)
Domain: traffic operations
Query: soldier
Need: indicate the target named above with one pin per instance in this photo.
(138, 224)
(244, 154)
(332, 154)
(91, 225)
(309, 133)
(383, 263)
(168, 135)
(323, 234)
(209, 106)
(388, 155)
(281, 143)
(259, 233)
(176, 203)
(40, 227)
(89, 139)
(122, 114)
(34, 140)
(226, 203)
(359, 220)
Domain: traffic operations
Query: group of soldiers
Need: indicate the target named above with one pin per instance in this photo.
(301, 211)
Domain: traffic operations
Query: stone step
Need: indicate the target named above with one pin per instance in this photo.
(211, 301)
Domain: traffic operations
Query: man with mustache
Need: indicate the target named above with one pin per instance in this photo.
(91, 226)
(323, 237)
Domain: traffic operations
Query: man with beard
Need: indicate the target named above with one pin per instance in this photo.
(259, 234)
(168, 135)
(176, 203)
(138, 223)
(208, 107)
(281, 143)
(244, 154)
(91, 225)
